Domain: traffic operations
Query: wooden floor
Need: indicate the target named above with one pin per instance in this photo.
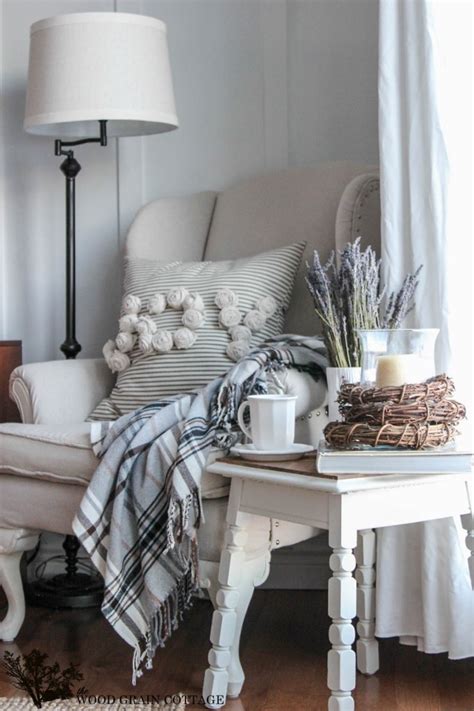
(284, 649)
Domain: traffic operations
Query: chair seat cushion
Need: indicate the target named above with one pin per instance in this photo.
(63, 454)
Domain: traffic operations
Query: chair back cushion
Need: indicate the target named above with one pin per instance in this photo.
(172, 228)
(293, 205)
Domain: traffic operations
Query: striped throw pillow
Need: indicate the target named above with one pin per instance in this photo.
(153, 375)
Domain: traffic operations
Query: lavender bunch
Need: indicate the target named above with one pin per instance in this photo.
(401, 303)
(348, 296)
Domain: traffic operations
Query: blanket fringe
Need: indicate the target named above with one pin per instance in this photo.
(167, 617)
(184, 517)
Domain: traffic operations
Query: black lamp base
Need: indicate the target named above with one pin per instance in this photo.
(69, 589)
(77, 591)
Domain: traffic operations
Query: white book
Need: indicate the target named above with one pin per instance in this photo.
(392, 461)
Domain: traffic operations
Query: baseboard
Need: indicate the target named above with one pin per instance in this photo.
(304, 566)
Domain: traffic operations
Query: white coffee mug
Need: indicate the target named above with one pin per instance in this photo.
(272, 421)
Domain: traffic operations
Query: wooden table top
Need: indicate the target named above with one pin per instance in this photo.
(305, 465)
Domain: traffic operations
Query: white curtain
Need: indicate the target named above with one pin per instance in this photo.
(424, 592)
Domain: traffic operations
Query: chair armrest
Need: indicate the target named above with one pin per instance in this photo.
(311, 393)
(60, 391)
(66, 391)
(311, 417)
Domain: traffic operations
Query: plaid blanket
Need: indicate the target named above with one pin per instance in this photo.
(139, 516)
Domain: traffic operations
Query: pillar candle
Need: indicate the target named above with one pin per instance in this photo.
(394, 370)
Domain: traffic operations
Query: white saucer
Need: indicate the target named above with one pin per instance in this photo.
(248, 451)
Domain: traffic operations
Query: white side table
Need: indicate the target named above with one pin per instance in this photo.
(349, 508)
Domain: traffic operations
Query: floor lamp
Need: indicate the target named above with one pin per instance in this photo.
(92, 76)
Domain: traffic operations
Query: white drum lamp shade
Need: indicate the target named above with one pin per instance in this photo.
(93, 66)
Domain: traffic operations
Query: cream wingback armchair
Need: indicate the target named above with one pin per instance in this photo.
(46, 462)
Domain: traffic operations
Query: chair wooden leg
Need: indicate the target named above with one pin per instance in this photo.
(13, 543)
(255, 573)
(367, 646)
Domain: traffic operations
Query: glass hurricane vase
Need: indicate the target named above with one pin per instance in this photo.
(394, 357)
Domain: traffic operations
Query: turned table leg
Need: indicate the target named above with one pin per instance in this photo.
(342, 591)
(224, 618)
(367, 646)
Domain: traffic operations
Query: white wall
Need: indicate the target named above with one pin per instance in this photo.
(260, 84)
(332, 80)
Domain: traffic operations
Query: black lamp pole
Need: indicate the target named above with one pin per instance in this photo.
(70, 168)
(71, 589)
